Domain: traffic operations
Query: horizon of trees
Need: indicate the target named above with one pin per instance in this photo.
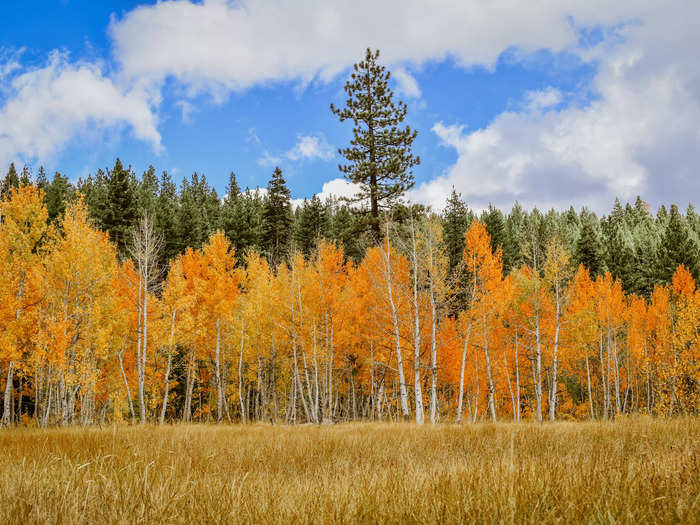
(638, 248)
(127, 297)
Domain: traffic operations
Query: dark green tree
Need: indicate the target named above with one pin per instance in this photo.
(346, 228)
(122, 210)
(199, 212)
(455, 221)
(277, 219)
(41, 180)
(495, 226)
(515, 231)
(569, 228)
(147, 193)
(231, 213)
(619, 245)
(166, 212)
(250, 233)
(26, 178)
(58, 193)
(311, 225)
(95, 191)
(379, 156)
(11, 181)
(589, 247)
(679, 245)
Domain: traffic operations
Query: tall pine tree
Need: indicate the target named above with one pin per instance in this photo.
(379, 156)
(455, 221)
(122, 211)
(277, 219)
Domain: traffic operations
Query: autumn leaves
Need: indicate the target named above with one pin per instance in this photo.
(88, 338)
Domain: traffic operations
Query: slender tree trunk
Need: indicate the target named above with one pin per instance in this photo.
(309, 390)
(517, 377)
(297, 380)
(142, 382)
(555, 362)
(171, 349)
(316, 381)
(417, 387)
(126, 384)
(240, 373)
(461, 371)
(602, 376)
(219, 393)
(476, 394)
(538, 368)
(166, 388)
(397, 337)
(330, 372)
(7, 401)
(187, 410)
(433, 361)
(139, 339)
(510, 386)
(492, 388)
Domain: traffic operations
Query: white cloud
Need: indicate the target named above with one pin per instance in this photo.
(334, 188)
(268, 160)
(544, 99)
(338, 188)
(639, 134)
(407, 85)
(9, 62)
(220, 45)
(309, 147)
(45, 107)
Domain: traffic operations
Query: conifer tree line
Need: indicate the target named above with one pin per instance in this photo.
(126, 298)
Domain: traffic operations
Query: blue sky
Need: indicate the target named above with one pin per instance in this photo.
(566, 103)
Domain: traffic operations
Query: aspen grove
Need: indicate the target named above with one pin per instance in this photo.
(89, 336)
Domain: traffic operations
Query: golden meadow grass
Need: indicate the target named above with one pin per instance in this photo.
(629, 471)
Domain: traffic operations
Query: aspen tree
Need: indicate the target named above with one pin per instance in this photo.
(556, 276)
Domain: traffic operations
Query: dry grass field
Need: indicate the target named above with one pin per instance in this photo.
(636, 471)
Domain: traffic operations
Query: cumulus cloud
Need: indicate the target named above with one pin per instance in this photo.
(639, 135)
(407, 85)
(220, 45)
(309, 147)
(45, 107)
(339, 188)
(335, 189)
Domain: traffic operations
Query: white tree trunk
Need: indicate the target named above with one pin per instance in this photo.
(7, 401)
(417, 387)
(219, 390)
(555, 362)
(397, 336)
(240, 373)
(492, 388)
